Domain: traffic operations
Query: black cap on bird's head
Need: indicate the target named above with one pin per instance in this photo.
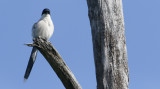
(46, 11)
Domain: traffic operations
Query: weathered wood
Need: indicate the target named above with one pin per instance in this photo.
(57, 63)
(109, 45)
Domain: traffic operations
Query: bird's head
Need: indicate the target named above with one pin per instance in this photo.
(46, 11)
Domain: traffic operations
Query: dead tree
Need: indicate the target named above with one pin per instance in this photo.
(109, 45)
(56, 62)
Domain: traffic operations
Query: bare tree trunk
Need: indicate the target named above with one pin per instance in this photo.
(57, 63)
(109, 45)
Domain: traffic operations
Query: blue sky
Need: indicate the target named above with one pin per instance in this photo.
(72, 39)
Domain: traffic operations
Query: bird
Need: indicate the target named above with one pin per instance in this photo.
(43, 28)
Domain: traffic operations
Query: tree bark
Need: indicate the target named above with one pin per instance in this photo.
(109, 45)
(57, 63)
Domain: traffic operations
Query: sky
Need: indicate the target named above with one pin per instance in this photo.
(72, 38)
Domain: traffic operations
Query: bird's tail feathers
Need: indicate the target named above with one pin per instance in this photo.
(30, 62)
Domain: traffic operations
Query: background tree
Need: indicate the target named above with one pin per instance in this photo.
(109, 45)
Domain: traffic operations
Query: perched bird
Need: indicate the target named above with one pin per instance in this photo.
(43, 28)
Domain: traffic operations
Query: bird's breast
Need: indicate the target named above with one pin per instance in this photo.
(44, 28)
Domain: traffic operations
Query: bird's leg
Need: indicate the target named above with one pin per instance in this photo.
(44, 39)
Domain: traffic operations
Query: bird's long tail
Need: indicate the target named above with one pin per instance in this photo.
(31, 62)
